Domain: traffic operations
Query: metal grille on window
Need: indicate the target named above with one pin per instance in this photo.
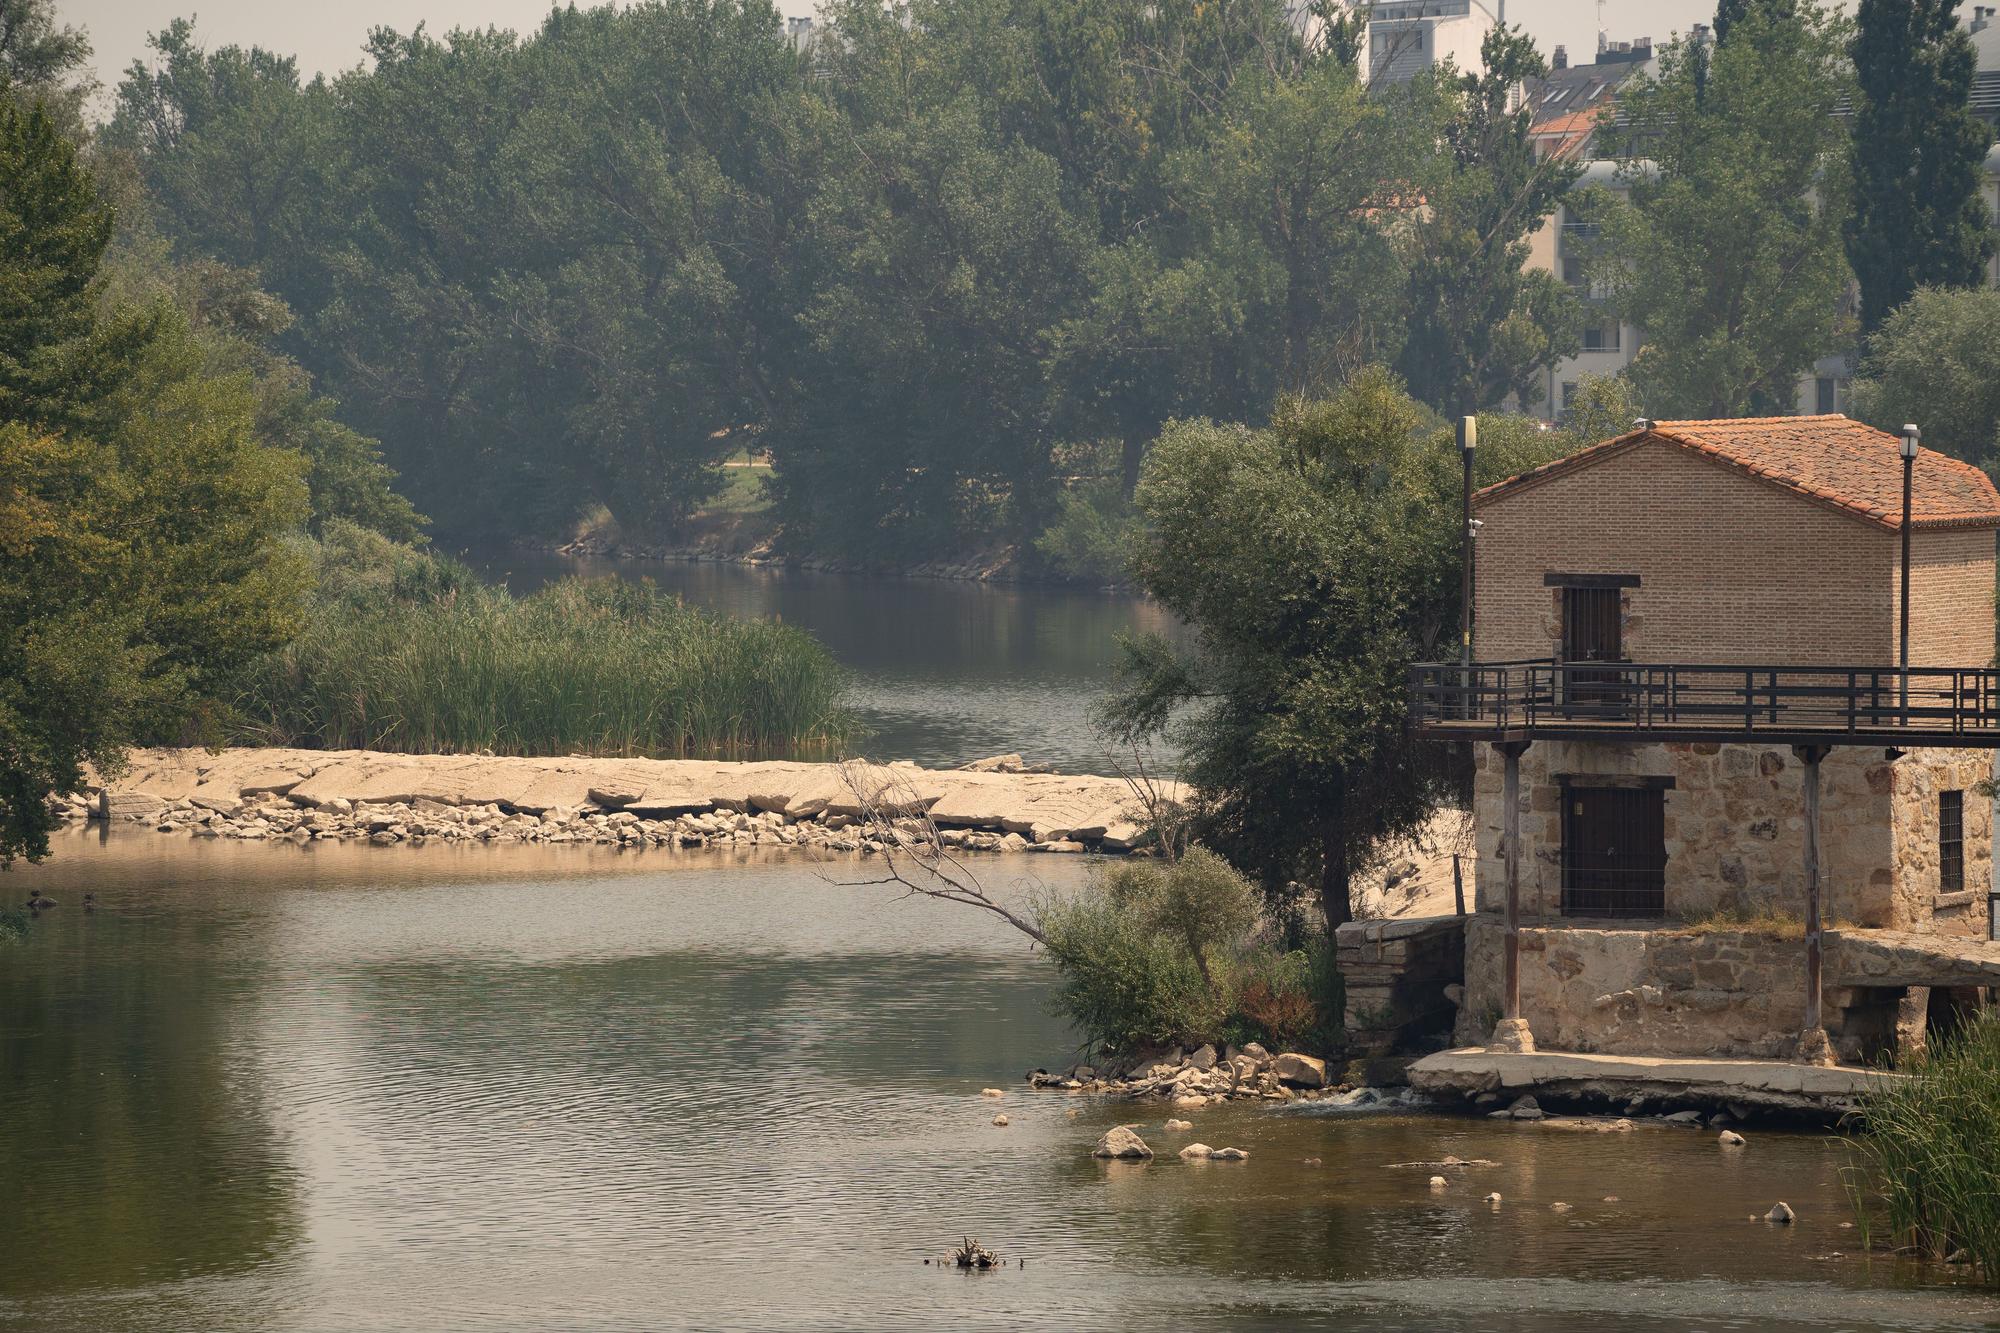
(1951, 841)
(1614, 854)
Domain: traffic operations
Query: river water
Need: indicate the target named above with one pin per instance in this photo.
(942, 671)
(350, 1087)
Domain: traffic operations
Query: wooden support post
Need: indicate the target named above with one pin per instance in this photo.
(1814, 1048)
(1511, 1033)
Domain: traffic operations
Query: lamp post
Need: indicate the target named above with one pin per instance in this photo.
(1911, 436)
(1468, 442)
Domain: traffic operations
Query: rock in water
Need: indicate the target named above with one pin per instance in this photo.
(1438, 1182)
(1122, 1142)
(991, 1092)
(1301, 1071)
(1197, 1152)
(1000, 1120)
(1780, 1212)
(1493, 1197)
(1525, 1108)
(1179, 1126)
(1228, 1155)
(1729, 1138)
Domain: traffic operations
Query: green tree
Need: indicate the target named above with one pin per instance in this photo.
(40, 60)
(1480, 327)
(1315, 560)
(142, 525)
(242, 158)
(1728, 251)
(1918, 218)
(1729, 13)
(1936, 361)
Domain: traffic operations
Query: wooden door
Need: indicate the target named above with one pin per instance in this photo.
(1592, 632)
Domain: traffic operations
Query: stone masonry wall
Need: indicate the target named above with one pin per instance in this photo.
(1735, 830)
(1394, 973)
(1918, 903)
(1641, 992)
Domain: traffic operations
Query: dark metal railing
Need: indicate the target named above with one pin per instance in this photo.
(1957, 702)
(1593, 886)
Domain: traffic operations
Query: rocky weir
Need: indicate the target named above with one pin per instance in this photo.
(312, 795)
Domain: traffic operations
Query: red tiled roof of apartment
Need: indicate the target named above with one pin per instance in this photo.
(1831, 460)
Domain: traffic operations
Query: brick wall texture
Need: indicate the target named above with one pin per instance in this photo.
(1731, 569)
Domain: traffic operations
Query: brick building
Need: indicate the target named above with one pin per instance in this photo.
(1687, 646)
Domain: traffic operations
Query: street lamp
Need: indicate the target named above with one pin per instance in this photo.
(1911, 436)
(1468, 443)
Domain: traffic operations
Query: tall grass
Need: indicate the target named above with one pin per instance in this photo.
(1932, 1151)
(407, 651)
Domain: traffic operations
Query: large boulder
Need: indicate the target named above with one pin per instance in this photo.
(1300, 1071)
(128, 805)
(1122, 1142)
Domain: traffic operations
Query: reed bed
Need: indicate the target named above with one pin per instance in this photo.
(424, 660)
(1931, 1152)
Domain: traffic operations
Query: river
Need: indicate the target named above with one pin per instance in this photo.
(346, 1087)
(941, 671)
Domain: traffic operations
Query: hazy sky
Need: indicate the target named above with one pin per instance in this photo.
(327, 34)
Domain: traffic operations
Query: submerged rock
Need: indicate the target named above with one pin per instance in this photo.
(1179, 1126)
(1729, 1138)
(1122, 1142)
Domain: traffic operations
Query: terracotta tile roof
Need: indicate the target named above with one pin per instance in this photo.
(1831, 460)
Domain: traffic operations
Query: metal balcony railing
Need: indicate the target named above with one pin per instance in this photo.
(1830, 704)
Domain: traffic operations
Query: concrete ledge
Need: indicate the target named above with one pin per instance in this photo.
(1771, 1085)
(1910, 958)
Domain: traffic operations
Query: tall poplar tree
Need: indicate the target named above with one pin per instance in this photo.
(1918, 220)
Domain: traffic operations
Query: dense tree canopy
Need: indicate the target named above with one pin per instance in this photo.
(142, 517)
(1728, 252)
(1315, 560)
(1918, 217)
(918, 262)
(1936, 361)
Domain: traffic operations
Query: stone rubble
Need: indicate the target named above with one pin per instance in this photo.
(1205, 1077)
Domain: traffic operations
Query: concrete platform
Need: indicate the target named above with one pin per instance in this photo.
(1768, 1085)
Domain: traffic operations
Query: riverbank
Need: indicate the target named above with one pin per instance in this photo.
(760, 547)
(309, 795)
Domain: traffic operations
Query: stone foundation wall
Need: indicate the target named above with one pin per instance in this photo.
(1395, 974)
(1640, 992)
(1735, 830)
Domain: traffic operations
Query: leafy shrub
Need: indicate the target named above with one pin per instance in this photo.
(1928, 1150)
(1154, 953)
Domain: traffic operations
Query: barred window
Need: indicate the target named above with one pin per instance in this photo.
(1951, 841)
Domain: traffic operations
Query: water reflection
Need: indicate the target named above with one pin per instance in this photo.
(944, 671)
(357, 1087)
